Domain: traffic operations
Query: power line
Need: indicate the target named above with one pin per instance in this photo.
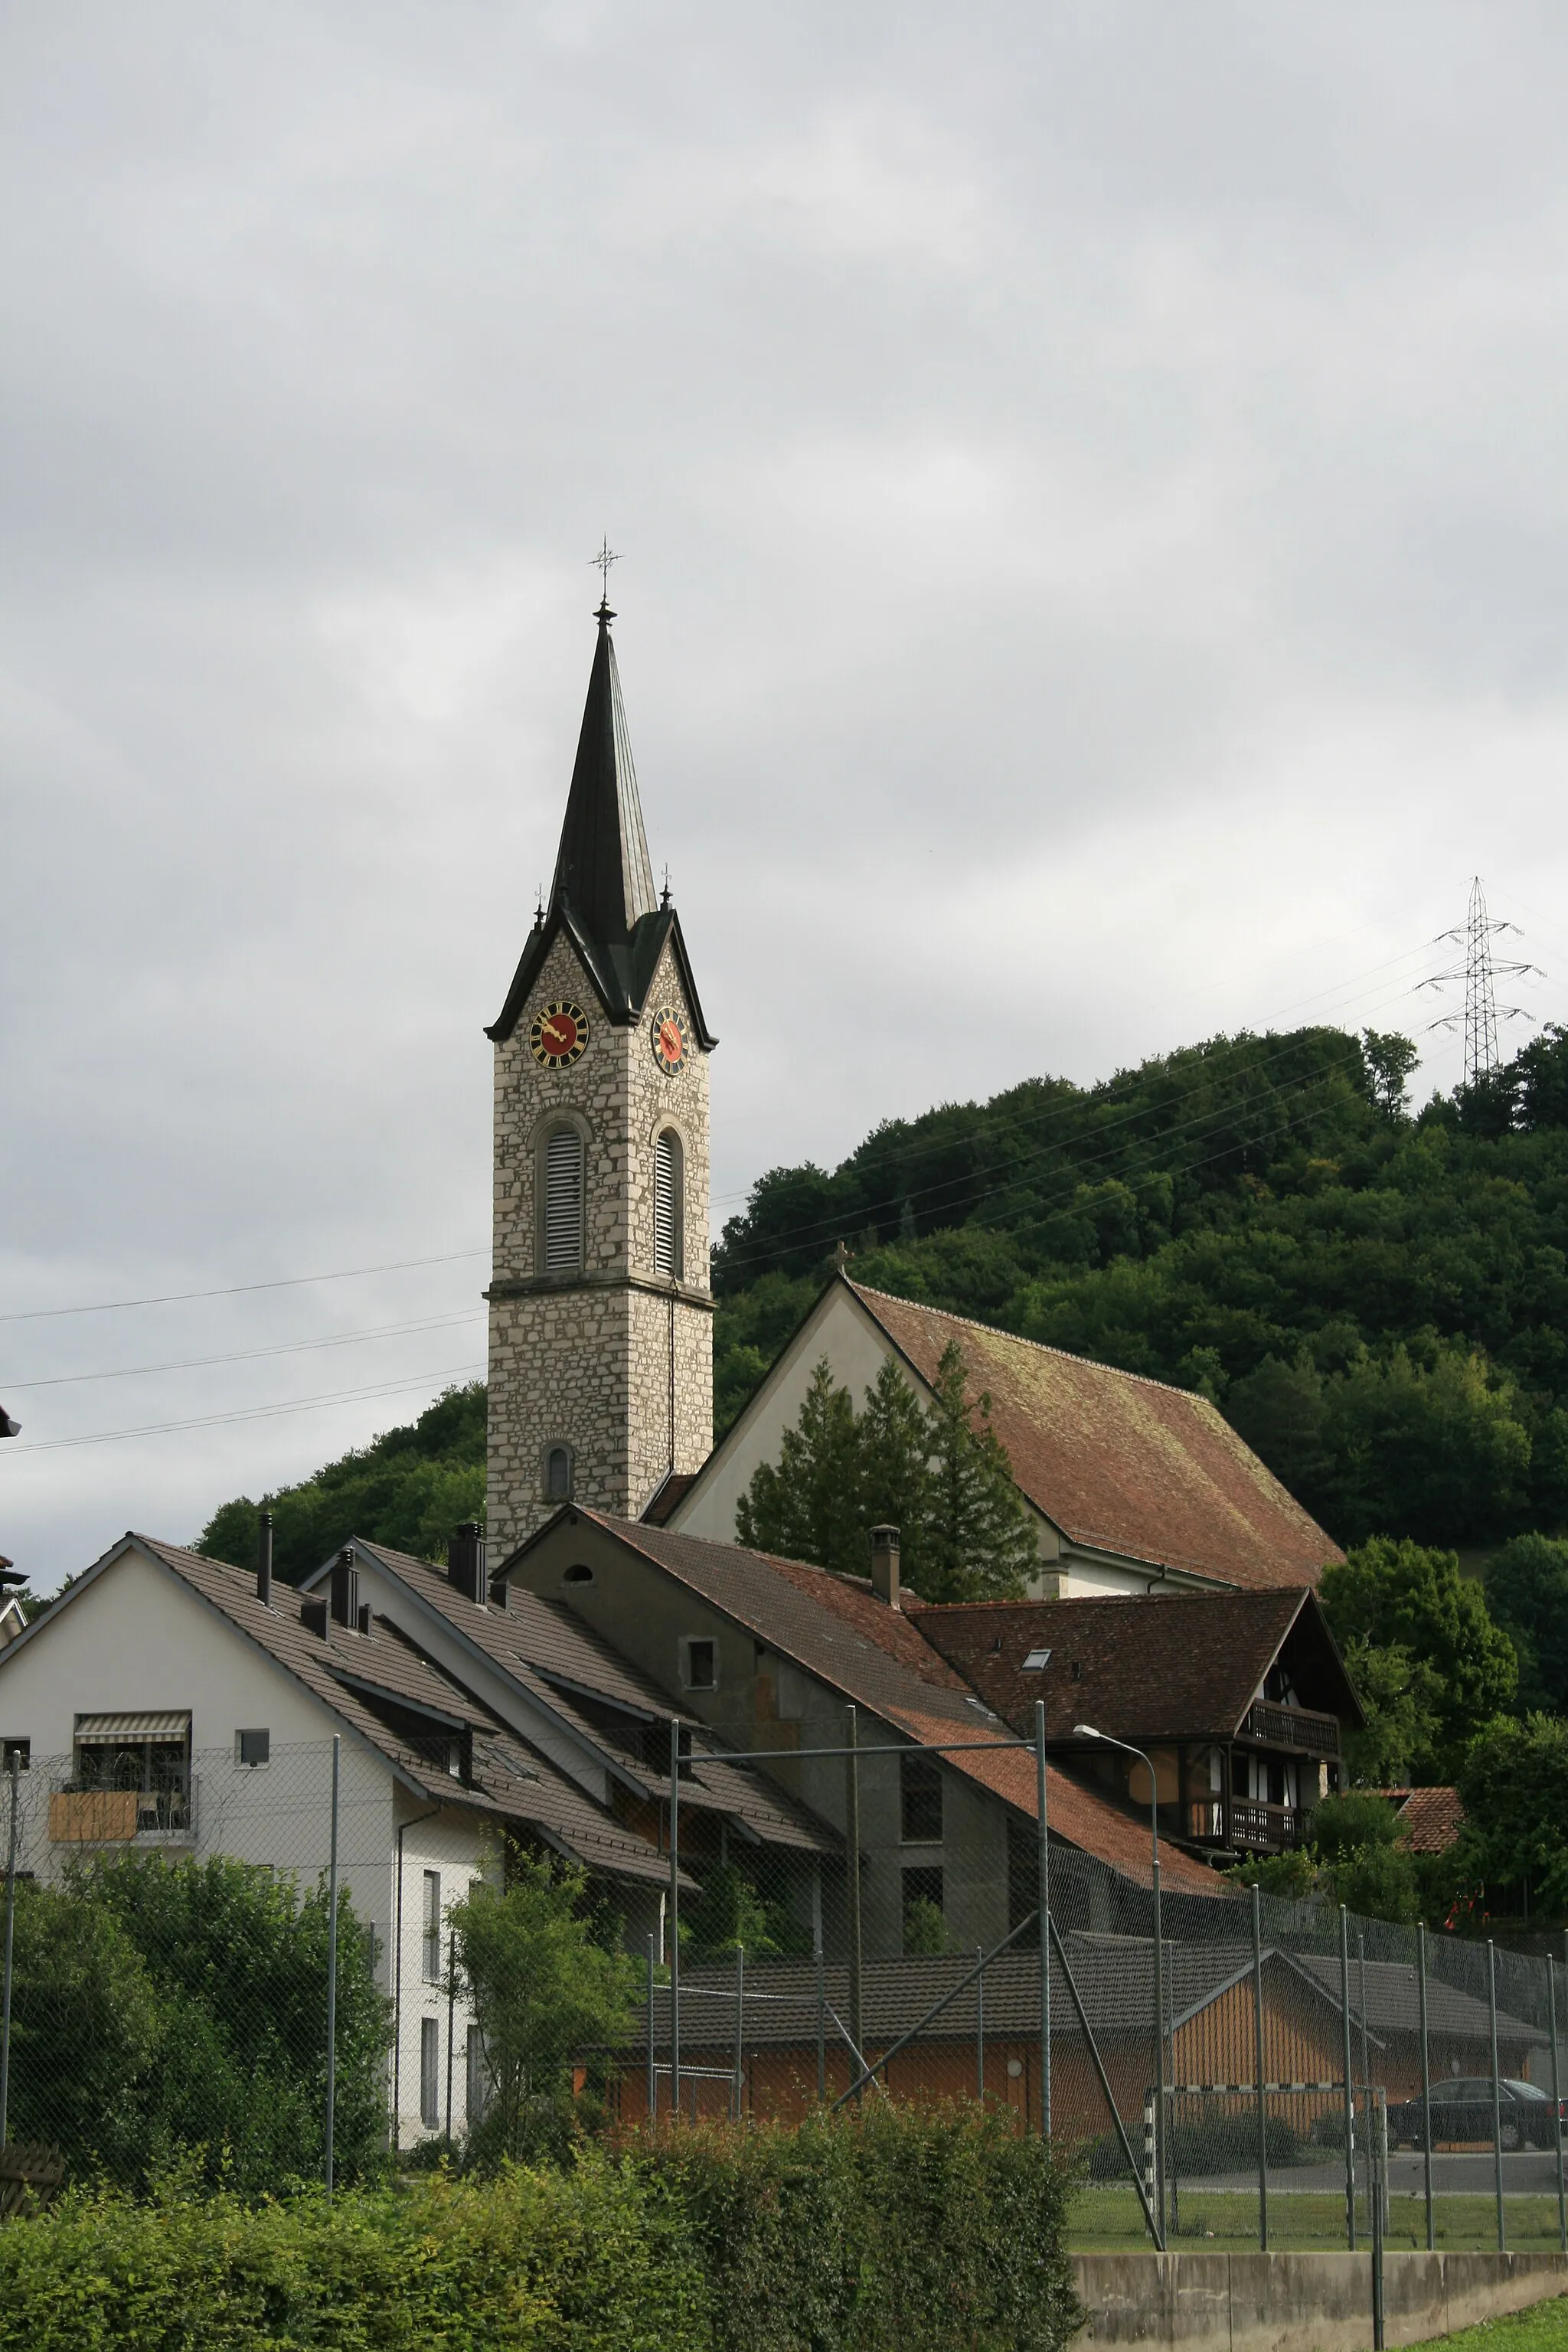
(237, 1289)
(829, 1226)
(251, 1355)
(252, 1412)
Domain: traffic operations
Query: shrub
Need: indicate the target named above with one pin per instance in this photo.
(894, 2229)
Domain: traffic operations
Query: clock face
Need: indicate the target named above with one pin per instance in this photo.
(668, 1040)
(558, 1036)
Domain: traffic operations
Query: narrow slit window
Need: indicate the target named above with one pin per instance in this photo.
(430, 2073)
(431, 1954)
(558, 1475)
(564, 1201)
(666, 1250)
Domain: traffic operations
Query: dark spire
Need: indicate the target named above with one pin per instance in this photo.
(602, 871)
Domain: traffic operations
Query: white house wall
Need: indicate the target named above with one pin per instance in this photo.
(138, 1639)
(449, 1844)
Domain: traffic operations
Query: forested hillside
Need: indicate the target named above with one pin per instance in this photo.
(1378, 1299)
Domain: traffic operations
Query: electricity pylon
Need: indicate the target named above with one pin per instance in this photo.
(1480, 973)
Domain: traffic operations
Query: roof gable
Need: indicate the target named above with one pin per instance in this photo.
(1185, 1666)
(1120, 1464)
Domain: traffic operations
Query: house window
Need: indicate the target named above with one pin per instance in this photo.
(22, 1749)
(255, 1746)
(701, 1665)
(558, 1475)
(564, 1201)
(666, 1205)
(919, 1795)
(925, 1930)
(430, 2072)
(478, 2077)
(430, 1960)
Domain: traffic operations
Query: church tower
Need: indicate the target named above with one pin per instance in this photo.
(601, 1340)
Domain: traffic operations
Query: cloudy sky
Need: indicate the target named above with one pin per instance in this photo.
(1090, 481)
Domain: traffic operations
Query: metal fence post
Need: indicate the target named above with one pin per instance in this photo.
(740, 2023)
(852, 1865)
(14, 1767)
(332, 1964)
(650, 2089)
(1350, 2094)
(1044, 1910)
(675, 1918)
(1376, 2175)
(821, 2026)
(1159, 2038)
(1497, 2094)
(1556, 2100)
(1259, 2070)
(980, 2026)
(1425, 2086)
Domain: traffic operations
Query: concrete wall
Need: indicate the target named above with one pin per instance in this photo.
(1301, 2302)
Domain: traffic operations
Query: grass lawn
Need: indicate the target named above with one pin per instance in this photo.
(1542, 2328)
(1108, 2220)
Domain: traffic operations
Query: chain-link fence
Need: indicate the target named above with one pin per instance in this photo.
(181, 1991)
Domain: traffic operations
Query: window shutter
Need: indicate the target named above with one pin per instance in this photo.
(564, 1201)
(666, 1205)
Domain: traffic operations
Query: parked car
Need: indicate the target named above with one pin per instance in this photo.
(1462, 2110)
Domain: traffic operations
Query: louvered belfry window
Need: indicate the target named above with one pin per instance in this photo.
(564, 1201)
(666, 1204)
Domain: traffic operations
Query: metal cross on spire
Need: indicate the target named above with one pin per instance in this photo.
(601, 563)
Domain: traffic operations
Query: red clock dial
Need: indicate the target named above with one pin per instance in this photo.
(558, 1035)
(668, 1032)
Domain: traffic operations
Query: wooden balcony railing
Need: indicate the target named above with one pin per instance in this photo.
(1247, 1825)
(1300, 1728)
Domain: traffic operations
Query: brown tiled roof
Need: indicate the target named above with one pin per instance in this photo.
(1182, 1666)
(841, 1634)
(553, 1656)
(1431, 1819)
(511, 1780)
(674, 1490)
(1118, 1462)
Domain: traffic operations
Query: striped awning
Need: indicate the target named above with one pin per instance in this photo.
(104, 1731)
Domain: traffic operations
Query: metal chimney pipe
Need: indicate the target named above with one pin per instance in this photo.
(885, 1565)
(264, 1558)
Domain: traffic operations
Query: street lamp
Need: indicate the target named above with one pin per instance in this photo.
(1088, 1731)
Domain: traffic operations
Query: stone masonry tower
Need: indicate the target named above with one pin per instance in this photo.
(601, 1344)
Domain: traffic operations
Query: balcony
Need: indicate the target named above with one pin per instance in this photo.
(1248, 1825)
(1297, 1728)
(83, 1815)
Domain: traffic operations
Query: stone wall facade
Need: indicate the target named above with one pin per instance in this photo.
(614, 1362)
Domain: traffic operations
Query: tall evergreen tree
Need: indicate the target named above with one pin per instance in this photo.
(807, 1505)
(940, 1474)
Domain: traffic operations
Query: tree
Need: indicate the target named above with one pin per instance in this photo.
(938, 1473)
(1390, 1060)
(1514, 1788)
(808, 1505)
(1527, 1590)
(1401, 1697)
(546, 1992)
(85, 2031)
(976, 1540)
(1402, 1594)
(1357, 1855)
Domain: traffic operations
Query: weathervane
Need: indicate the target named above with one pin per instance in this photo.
(601, 563)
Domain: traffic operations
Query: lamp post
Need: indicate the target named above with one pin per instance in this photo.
(1088, 1731)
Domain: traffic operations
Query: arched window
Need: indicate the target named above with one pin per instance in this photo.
(564, 1201)
(666, 1204)
(558, 1475)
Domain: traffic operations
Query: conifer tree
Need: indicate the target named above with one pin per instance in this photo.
(938, 1473)
(808, 1504)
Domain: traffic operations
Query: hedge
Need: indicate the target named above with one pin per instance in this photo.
(896, 2231)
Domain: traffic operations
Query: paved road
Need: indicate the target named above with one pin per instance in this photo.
(1530, 2171)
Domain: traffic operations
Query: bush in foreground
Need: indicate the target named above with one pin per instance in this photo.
(898, 2230)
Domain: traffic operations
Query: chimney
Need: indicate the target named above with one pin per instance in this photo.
(345, 1588)
(466, 1562)
(313, 1616)
(885, 1565)
(264, 1558)
(500, 1592)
